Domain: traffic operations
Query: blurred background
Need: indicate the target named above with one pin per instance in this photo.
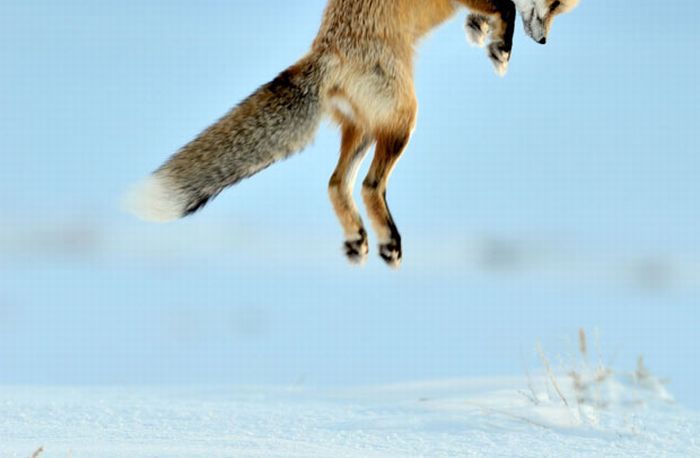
(562, 196)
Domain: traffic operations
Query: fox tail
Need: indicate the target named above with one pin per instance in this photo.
(277, 120)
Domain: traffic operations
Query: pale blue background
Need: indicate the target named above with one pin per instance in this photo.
(579, 170)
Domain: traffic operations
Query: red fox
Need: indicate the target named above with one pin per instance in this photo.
(359, 71)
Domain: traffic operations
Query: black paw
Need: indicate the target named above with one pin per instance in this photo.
(391, 253)
(356, 250)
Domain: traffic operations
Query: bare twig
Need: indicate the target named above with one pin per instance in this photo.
(509, 415)
(38, 452)
(552, 379)
(582, 344)
(529, 397)
(533, 393)
(642, 372)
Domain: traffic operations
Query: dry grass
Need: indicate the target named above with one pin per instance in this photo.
(587, 380)
(595, 387)
(550, 375)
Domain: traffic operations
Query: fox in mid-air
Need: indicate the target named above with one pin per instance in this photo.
(359, 71)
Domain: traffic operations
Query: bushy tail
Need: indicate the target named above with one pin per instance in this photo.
(277, 120)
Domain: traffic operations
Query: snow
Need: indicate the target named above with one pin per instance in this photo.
(462, 417)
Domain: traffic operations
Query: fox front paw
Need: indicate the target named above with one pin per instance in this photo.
(391, 253)
(477, 28)
(499, 55)
(356, 250)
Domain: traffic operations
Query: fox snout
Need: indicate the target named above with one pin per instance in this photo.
(536, 28)
(538, 15)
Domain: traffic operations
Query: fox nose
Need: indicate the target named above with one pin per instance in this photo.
(542, 41)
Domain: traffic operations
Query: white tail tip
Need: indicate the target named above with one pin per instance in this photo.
(154, 199)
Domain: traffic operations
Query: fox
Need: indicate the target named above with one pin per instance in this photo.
(359, 73)
(496, 19)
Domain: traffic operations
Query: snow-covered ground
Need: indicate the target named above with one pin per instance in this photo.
(544, 415)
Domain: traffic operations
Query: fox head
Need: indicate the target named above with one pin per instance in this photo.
(538, 15)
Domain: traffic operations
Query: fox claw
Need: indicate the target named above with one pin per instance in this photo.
(499, 57)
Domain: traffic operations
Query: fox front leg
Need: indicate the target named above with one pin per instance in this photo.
(478, 28)
(497, 19)
(501, 46)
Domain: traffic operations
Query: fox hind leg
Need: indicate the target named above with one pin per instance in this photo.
(354, 146)
(389, 148)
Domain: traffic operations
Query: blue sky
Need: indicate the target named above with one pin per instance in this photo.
(582, 160)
